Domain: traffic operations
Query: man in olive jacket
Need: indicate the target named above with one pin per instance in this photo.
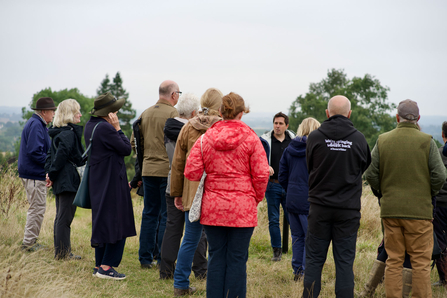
(407, 169)
(155, 169)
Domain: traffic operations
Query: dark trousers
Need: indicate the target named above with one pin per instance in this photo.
(109, 254)
(171, 244)
(227, 265)
(154, 206)
(440, 227)
(65, 211)
(382, 255)
(326, 224)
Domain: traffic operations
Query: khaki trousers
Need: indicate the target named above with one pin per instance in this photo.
(36, 193)
(416, 237)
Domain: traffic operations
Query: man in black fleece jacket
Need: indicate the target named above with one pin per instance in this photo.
(337, 154)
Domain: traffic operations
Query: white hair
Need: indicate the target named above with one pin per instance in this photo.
(187, 104)
(66, 112)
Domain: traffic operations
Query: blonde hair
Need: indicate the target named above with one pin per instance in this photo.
(307, 126)
(232, 105)
(66, 112)
(211, 101)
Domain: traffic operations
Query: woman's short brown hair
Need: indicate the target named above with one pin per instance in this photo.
(232, 105)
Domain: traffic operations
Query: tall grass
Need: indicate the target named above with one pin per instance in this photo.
(37, 274)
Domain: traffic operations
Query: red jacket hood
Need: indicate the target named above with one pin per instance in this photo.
(228, 134)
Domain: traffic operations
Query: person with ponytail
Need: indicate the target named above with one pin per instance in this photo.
(184, 190)
(237, 175)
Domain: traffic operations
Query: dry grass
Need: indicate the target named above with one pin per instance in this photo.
(39, 275)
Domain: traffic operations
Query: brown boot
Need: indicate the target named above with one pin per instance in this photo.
(375, 277)
(407, 279)
(184, 292)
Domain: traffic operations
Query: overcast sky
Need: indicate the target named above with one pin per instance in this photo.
(267, 51)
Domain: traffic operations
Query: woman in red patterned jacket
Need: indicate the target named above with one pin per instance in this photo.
(237, 175)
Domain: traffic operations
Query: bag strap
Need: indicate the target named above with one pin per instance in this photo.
(87, 151)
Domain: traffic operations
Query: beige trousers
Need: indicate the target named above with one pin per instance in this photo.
(36, 193)
(416, 237)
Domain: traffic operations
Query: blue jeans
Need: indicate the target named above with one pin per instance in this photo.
(275, 196)
(227, 264)
(298, 227)
(193, 233)
(154, 206)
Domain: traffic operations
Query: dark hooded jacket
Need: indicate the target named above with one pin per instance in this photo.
(337, 154)
(293, 176)
(441, 197)
(64, 156)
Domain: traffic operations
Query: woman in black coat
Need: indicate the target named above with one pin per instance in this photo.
(112, 211)
(64, 156)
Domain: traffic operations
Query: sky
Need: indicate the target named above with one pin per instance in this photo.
(267, 51)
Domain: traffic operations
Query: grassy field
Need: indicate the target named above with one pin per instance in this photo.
(37, 274)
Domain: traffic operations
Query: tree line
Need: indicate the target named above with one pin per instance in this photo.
(372, 113)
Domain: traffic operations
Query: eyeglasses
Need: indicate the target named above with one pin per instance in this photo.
(179, 92)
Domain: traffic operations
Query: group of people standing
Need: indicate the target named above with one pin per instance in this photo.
(315, 176)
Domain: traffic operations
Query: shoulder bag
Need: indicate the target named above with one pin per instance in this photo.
(196, 207)
(82, 198)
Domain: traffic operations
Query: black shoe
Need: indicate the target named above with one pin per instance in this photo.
(146, 266)
(277, 254)
(110, 274)
(73, 257)
(95, 270)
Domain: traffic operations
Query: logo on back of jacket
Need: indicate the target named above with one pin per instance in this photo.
(339, 145)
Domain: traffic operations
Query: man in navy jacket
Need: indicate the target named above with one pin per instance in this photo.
(34, 146)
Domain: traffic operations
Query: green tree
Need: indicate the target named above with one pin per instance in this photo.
(105, 86)
(126, 114)
(369, 103)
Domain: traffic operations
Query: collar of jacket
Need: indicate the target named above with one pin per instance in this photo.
(164, 101)
(407, 125)
(38, 116)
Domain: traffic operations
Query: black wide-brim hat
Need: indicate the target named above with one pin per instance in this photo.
(45, 103)
(106, 103)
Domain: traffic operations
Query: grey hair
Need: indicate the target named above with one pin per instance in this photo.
(402, 119)
(187, 104)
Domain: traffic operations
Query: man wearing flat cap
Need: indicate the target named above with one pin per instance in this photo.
(34, 146)
(407, 169)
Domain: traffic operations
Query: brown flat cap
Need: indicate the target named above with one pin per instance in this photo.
(408, 109)
(45, 103)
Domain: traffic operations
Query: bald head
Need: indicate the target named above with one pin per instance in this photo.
(169, 91)
(167, 87)
(339, 105)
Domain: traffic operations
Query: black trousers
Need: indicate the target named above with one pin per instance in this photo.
(65, 211)
(110, 254)
(440, 227)
(171, 243)
(326, 224)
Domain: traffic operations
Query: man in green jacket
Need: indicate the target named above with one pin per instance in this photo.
(155, 169)
(407, 169)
